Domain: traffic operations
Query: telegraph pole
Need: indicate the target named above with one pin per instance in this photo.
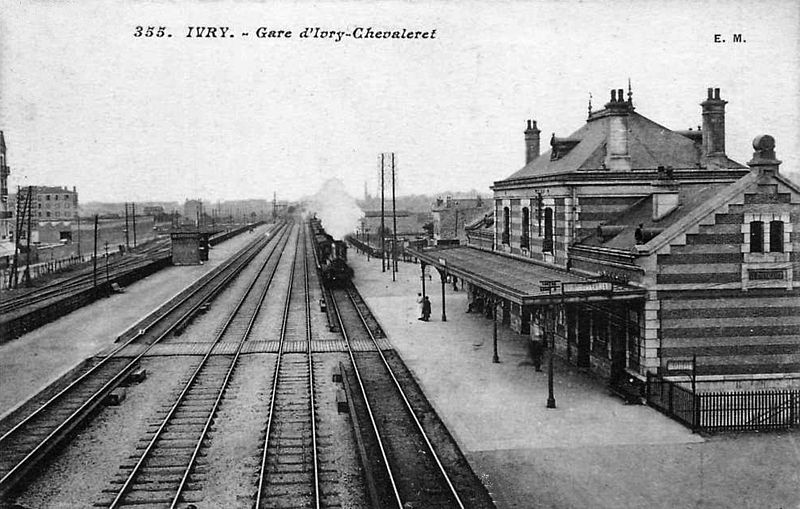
(127, 230)
(29, 207)
(12, 280)
(78, 217)
(382, 232)
(133, 214)
(394, 223)
(94, 257)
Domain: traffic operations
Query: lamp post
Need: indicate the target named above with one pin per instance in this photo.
(550, 330)
(551, 399)
(495, 358)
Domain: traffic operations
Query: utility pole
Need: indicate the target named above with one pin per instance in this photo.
(29, 207)
(456, 229)
(12, 279)
(127, 230)
(94, 257)
(78, 217)
(133, 214)
(383, 226)
(394, 223)
(106, 246)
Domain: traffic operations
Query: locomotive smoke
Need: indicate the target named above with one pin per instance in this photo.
(336, 209)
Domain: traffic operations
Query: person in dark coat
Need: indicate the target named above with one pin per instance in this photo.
(537, 351)
(426, 309)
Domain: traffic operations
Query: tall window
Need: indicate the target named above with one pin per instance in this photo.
(506, 225)
(547, 244)
(526, 227)
(776, 236)
(756, 236)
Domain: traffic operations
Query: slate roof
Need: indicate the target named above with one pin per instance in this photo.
(690, 197)
(511, 278)
(650, 145)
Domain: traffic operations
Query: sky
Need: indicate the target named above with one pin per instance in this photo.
(85, 103)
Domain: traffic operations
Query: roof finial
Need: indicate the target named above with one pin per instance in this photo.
(590, 104)
(630, 92)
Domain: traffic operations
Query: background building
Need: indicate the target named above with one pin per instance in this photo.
(451, 215)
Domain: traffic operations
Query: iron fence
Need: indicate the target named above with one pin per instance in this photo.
(725, 411)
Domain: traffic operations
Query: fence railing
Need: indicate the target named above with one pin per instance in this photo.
(725, 411)
(40, 269)
(752, 410)
(674, 400)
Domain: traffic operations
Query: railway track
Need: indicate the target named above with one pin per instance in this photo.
(289, 475)
(404, 467)
(162, 471)
(83, 279)
(36, 434)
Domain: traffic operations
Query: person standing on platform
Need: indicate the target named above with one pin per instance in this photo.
(419, 305)
(426, 309)
(537, 351)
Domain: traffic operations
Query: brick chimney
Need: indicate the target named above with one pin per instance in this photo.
(764, 160)
(531, 142)
(714, 128)
(618, 157)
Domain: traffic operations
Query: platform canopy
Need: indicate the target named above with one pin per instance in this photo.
(520, 281)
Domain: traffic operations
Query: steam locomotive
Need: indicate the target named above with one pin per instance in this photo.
(332, 256)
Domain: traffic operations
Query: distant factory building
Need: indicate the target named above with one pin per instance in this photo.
(408, 223)
(53, 209)
(193, 211)
(639, 250)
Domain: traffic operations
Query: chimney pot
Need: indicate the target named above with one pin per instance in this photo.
(531, 141)
(613, 95)
(619, 94)
(710, 93)
(716, 93)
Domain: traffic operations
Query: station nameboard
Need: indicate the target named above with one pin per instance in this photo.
(596, 287)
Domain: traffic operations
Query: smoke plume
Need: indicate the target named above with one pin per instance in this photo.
(335, 208)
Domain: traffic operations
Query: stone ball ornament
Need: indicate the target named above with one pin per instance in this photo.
(764, 142)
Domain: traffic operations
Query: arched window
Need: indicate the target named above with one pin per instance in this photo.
(526, 228)
(756, 236)
(506, 225)
(775, 236)
(547, 244)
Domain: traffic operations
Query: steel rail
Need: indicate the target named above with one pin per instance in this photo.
(407, 403)
(150, 446)
(274, 392)
(368, 406)
(246, 253)
(213, 412)
(310, 369)
(69, 285)
(84, 275)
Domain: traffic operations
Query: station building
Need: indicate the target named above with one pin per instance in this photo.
(633, 249)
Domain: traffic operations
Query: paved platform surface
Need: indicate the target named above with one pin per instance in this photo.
(592, 450)
(30, 363)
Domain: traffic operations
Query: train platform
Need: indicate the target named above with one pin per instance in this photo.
(31, 362)
(592, 450)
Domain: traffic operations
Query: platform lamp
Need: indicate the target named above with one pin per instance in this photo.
(495, 358)
(549, 286)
